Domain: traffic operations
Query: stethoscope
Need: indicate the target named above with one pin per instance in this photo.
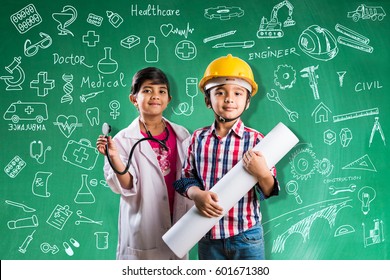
(106, 129)
(40, 153)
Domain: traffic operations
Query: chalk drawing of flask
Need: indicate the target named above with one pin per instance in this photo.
(151, 50)
(84, 194)
(107, 65)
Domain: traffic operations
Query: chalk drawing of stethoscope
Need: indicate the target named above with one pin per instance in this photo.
(38, 153)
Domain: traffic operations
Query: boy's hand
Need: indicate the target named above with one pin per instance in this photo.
(206, 202)
(254, 162)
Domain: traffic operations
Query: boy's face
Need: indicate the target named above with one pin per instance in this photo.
(152, 99)
(228, 101)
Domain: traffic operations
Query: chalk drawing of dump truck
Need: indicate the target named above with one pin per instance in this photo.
(26, 111)
(367, 12)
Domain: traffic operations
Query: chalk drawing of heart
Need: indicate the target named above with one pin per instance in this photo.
(166, 29)
(67, 124)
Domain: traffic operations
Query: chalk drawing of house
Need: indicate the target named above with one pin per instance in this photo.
(321, 113)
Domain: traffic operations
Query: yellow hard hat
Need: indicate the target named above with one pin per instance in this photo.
(232, 67)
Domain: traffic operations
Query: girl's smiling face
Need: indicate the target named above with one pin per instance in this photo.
(151, 99)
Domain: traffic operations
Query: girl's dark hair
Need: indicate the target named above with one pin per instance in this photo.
(154, 74)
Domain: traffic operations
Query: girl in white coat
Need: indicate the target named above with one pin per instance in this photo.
(149, 204)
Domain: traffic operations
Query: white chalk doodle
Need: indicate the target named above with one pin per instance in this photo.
(375, 236)
(343, 230)
(80, 154)
(186, 50)
(152, 52)
(115, 19)
(65, 18)
(15, 81)
(42, 84)
(91, 38)
(67, 124)
(321, 113)
(309, 72)
(59, 216)
(273, 28)
(285, 76)
(40, 184)
(329, 137)
(14, 167)
(219, 36)
(168, 28)
(114, 106)
(355, 115)
(318, 43)
(274, 96)
(191, 91)
(107, 65)
(95, 19)
(362, 163)
(93, 116)
(67, 88)
(37, 152)
(366, 195)
(353, 39)
(341, 75)
(240, 44)
(377, 127)
(32, 49)
(26, 18)
(223, 12)
(367, 12)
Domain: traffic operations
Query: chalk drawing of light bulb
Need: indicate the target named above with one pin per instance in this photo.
(366, 195)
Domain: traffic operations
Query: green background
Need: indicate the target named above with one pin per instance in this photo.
(308, 222)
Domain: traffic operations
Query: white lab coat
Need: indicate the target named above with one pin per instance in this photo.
(144, 214)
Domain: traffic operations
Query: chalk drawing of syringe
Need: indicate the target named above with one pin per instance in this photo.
(191, 90)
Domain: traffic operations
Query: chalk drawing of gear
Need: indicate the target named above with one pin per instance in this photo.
(223, 12)
(324, 166)
(303, 163)
(285, 76)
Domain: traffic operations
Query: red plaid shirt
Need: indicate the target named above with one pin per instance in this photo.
(209, 158)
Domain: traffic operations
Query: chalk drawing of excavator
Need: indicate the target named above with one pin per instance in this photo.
(273, 28)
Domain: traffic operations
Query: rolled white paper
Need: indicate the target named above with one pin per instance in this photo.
(230, 189)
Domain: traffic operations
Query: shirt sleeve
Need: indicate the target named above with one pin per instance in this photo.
(189, 176)
(276, 187)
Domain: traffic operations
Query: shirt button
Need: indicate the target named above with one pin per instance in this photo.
(164, 198)
(221, 142)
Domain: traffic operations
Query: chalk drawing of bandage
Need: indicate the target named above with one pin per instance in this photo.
(93, 116)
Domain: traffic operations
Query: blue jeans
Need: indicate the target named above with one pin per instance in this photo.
(248, 245)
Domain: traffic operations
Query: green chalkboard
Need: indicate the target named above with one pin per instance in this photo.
(322, 67)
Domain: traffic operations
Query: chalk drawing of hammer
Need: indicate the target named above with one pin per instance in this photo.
(292, 115)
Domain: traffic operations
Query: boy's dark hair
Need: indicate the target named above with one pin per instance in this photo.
(150, 73)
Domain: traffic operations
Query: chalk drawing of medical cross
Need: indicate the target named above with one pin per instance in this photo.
(29, 110)
(186, 50)
(80, 155)
(42, 84)
(91, 38)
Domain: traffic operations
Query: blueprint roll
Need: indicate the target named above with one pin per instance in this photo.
(193, 226)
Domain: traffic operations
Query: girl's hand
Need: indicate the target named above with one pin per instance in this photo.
(101, 145)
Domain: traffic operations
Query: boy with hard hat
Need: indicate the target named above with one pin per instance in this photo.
(228, 85)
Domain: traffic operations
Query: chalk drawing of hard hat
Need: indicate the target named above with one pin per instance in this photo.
(318, 43)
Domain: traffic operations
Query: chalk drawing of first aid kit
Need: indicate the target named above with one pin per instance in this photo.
(81, 154)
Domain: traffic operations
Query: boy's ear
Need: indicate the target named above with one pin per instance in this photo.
(248, 102)
(207, 101)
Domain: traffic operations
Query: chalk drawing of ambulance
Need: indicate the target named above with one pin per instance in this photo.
(26, 111)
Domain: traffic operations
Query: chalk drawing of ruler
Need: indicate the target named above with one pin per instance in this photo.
(354, 115)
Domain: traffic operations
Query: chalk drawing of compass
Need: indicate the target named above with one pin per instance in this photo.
(65, 18)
